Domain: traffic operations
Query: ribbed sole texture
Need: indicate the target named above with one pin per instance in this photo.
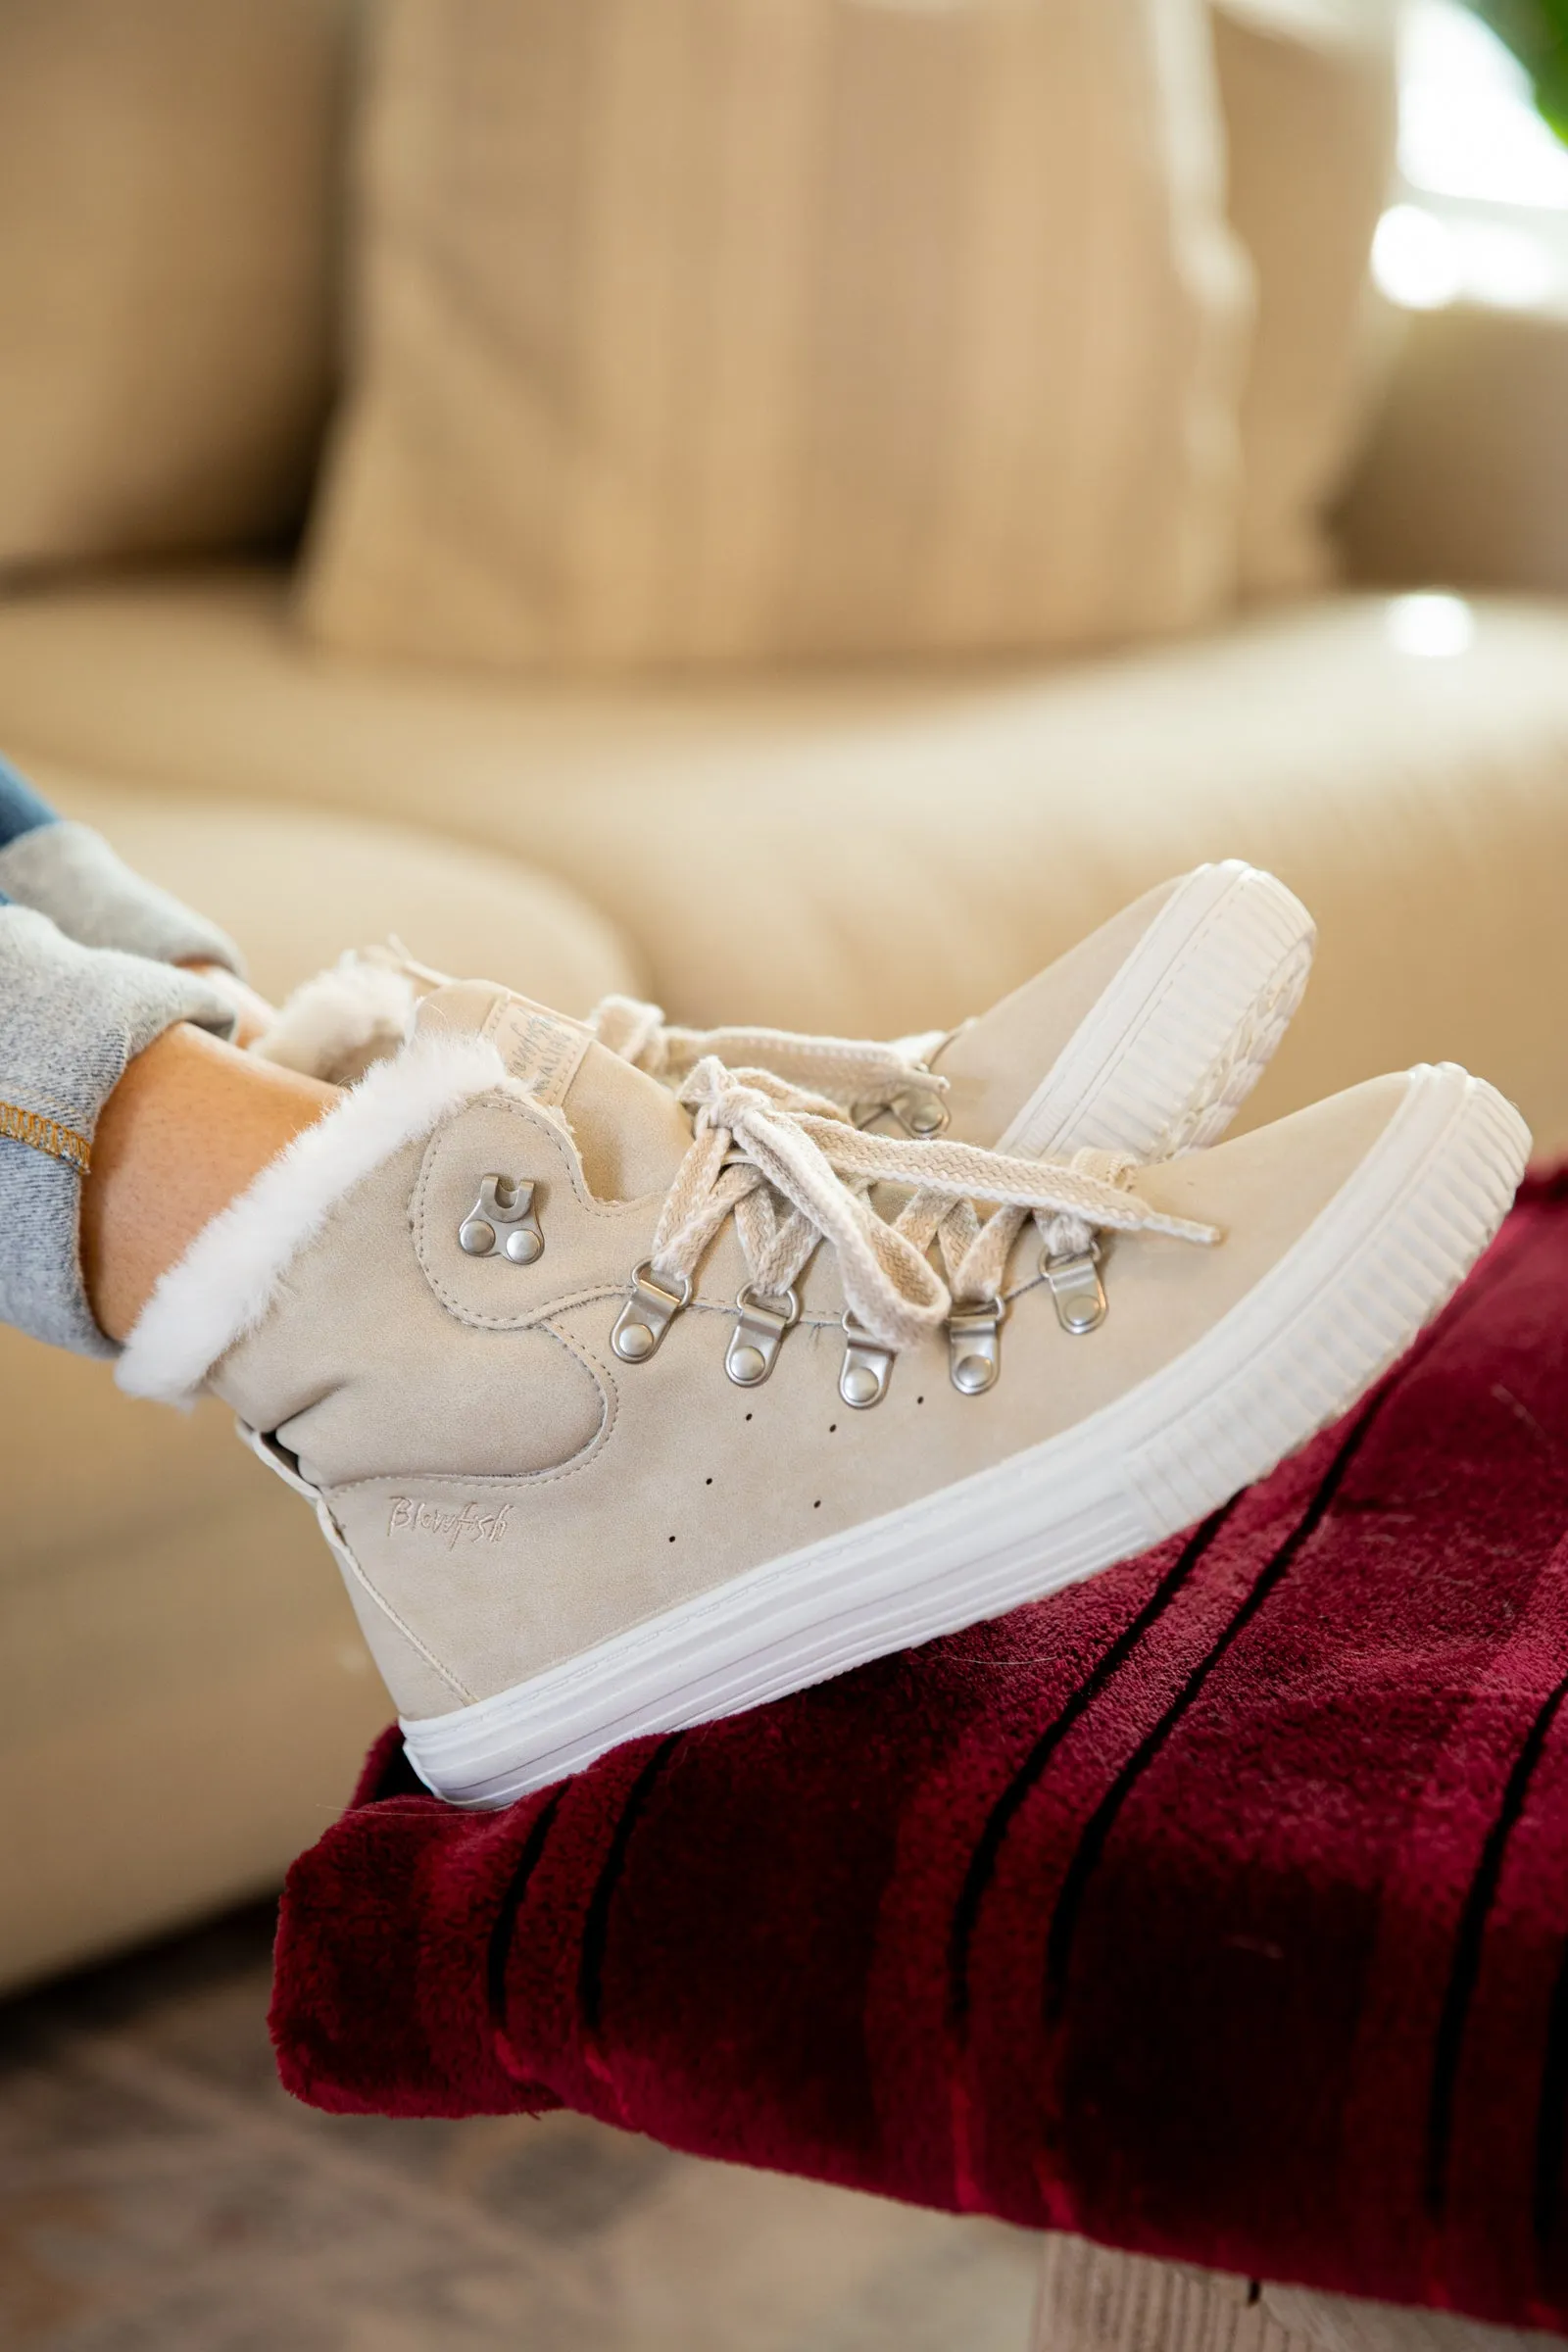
(1185, 1030)
(1341, 1305)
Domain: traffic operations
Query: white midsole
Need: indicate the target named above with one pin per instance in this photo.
(1165, 1047)
(1341, 1305)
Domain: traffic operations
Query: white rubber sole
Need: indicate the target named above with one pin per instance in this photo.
(1184, 1031)
(1297, 1351)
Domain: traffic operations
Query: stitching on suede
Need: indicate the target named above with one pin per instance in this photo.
(351, 1556)
(538, 1118)
(571, 1674)
(566, 1676)
(535, 1119)
(511, 1480)
(538, 1320)
(419, 1220)
(609, 1389)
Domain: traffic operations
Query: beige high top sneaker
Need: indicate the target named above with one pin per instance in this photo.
(1146, 1038)
(623, 1412)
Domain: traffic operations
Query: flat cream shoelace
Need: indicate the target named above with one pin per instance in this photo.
(760, 1142)
(854, 1074)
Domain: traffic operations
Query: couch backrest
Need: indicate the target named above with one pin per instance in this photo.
(1308, 90)
(169, 174)
(172, 282)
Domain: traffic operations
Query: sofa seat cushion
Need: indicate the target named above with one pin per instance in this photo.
(880, 853)
(1215, 1908)
(297, 886)
(190, 1693)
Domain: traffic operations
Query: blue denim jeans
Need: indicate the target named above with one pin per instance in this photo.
(89, 977)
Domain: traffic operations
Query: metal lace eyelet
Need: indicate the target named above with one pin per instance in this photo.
(974, 1345)
(919, 1109)
(646, 1315)
(1076, 1287)
(761, 1320)
(867, 1369)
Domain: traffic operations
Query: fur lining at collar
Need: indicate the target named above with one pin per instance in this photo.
(227, 1279)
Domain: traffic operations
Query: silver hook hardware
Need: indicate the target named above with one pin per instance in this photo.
(503, 1223)
(974, 1345)
(646, 1315)
(867, 1369)
(761, 1321)
(1077, 1290)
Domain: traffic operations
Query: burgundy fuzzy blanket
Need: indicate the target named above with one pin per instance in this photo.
(1217, 1908)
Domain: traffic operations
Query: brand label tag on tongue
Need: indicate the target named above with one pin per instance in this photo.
(542, 1050)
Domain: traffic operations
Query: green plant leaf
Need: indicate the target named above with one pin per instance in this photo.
(1537, 31)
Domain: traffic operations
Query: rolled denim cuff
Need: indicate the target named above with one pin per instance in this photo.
(71, 1018)
(70, 872)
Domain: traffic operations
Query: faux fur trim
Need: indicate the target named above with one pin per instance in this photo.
(337, 1025)
(227, 1279)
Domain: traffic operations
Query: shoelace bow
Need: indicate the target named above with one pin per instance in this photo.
(760, 1140)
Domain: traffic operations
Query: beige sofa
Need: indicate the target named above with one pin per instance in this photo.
(864, 851)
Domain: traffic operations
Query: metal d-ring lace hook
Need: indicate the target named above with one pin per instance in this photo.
(761, 1321)
(646, 1315)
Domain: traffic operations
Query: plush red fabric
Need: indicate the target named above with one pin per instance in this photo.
(1216, 1908)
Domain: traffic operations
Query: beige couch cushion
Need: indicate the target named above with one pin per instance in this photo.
(881, 853)
(165, 227)
(298, 886)
(190, 1696)
(736, 330)
(1309, 97)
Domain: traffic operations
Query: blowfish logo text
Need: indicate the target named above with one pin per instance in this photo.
(471, 1525)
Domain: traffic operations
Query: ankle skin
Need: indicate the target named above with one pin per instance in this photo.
(188, 1127)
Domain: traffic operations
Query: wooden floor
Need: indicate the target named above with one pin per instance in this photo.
(160, 2193)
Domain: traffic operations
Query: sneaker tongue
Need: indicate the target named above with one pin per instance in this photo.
(630, 1132)
(995, 1064)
